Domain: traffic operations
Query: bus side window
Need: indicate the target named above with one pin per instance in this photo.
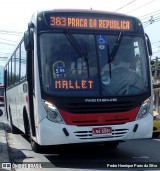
(23, 63)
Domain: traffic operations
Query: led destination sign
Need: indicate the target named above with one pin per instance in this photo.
(91, 23)
(68, 84)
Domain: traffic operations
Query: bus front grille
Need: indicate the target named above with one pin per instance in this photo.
(99, 107)
(87, 135)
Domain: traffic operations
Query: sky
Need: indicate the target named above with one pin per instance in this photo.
(15, 15)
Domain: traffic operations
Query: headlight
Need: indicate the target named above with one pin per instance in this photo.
(144, 110)
(52, 113)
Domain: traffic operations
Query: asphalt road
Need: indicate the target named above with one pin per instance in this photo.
(140, 153)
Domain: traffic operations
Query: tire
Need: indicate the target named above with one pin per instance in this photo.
(1, 112)
(26, 124)
(35, 146)
(155, 135)
(14, 130)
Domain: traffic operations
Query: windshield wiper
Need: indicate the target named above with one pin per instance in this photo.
(111, 56)
(83, 54)
(115, 48)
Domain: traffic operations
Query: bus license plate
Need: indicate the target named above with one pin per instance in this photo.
(102, 130)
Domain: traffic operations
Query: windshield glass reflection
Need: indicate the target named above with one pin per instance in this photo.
(64, 70)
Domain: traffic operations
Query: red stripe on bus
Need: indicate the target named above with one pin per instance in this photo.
(99, 118)
(27, 99)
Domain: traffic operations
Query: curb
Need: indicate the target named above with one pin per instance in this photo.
(4, 153)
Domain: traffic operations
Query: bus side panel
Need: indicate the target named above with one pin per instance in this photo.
(16, 101)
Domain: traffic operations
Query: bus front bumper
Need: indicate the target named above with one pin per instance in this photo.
(50, 133)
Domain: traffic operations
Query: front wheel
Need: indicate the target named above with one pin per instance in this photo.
(155, 135)
(35, 146)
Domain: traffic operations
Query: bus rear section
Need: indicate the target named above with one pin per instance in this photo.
(88, 79)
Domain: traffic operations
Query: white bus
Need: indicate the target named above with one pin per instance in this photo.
(80, 77)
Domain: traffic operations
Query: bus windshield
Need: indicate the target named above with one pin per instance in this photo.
(80, 65)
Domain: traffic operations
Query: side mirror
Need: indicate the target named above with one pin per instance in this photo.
(149, 45)
(28, 40)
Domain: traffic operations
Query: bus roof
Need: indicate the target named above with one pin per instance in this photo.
(91, 11)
